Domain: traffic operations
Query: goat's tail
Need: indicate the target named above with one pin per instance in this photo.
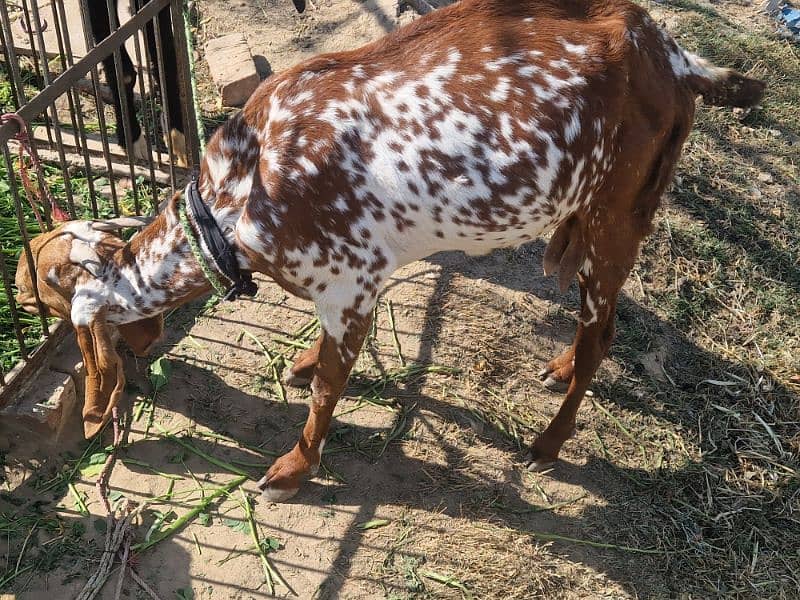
(717, 85)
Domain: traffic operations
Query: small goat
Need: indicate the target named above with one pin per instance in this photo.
(65, 259)
(482, 125)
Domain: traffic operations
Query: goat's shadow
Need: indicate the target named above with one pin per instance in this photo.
(622, 491)
(274, 426)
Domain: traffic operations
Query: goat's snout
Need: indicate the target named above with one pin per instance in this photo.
(25, 297)
(27, 302)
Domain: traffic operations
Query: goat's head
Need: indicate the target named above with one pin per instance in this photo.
(67, 261)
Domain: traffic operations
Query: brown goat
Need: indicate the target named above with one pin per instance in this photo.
(65, 259)
(482, 125)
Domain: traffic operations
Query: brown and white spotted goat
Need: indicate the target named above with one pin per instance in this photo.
(483, 125)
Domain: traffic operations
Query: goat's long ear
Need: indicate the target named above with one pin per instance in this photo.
(105, 379)
(300, 5)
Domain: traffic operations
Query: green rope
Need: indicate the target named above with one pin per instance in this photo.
(201, 134)
(216, 282)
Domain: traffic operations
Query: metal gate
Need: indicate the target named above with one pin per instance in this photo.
(58, 92)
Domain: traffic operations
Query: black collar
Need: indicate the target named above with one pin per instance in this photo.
(223, 255)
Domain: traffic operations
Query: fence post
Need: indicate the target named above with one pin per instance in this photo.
(184, 75)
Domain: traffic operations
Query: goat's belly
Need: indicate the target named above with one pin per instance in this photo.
(472, 237)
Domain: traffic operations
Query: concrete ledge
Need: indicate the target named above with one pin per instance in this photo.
(45, 408)
(49, 403)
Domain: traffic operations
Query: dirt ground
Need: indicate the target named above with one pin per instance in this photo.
(424, 491)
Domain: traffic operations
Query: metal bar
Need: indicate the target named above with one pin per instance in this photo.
(113, 23)
(40, 101)
(54, 117)
(144, 124)
(14, 97)
(63, 58)
(184, 76)
(100, 108)
(164, 105)
(77, 110)
(149, 107)
(23, 231)
(13, 60)
(12, 306)
(30, 29)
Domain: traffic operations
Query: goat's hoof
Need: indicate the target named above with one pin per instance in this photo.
(541, 464)
(284, 477)
(139, 148)
(270, 493)
(181, 154)
(293, 380)
(554, 385)
(541, 460)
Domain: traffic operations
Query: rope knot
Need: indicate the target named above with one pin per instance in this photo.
(23, 138)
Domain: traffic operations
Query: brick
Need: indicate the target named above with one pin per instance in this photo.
(46, 407)
(232, 68)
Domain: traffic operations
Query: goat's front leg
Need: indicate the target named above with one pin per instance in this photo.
(129, 132)
(164, 62)
(335, 358)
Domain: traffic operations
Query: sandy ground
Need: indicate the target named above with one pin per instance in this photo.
(454, 489)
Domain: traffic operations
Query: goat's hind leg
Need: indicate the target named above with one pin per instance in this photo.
(564, 255)
(558, 372)
(301, 372)
(601, 276)
(336, 354)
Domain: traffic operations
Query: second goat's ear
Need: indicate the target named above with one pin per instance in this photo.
(105, 379)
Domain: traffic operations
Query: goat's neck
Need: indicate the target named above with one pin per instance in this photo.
(156, 271)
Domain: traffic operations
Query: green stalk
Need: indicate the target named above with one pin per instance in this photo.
(214, 461)
(78, 500)
(269, 572)
(395, 339)
(182, 521)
